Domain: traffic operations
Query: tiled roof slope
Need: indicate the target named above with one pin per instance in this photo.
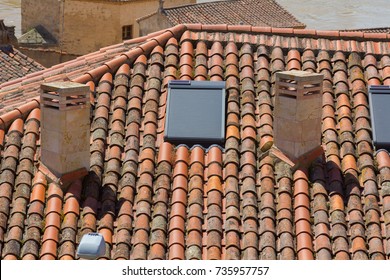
(253, 12)
(14, 64)
(153, 200)
(15, 92)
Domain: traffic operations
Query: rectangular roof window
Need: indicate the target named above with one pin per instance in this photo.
(379, 97)
(195, 113)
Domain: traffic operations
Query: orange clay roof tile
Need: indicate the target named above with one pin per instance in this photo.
(178, 202)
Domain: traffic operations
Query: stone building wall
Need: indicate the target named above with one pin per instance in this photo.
(84, 26)
(42, 12)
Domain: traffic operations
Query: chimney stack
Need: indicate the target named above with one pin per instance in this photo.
(3, 33)
(65, 127)
(7, 34)
(161, 6)
(297, 113)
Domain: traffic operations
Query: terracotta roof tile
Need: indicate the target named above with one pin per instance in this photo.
(155, 200)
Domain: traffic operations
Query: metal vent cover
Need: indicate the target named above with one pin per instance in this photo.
(92, 246)
(379, 100)
(195, 113)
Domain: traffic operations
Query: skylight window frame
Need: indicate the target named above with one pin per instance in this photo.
(169, 131)
(376, 115)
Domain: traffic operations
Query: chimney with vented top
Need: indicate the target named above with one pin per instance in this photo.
(297, 113)
(65, 127)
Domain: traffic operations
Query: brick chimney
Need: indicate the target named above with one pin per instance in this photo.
(297, 113)
(65, 127)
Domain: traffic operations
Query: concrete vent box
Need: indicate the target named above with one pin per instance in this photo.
(65, 127)
(297, 112)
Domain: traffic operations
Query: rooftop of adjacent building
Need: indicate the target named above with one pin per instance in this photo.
(13, 64)
(233, 12)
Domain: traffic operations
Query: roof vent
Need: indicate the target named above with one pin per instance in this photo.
(65, 127)
(379, 98)
(298, 109)
(91, 247)
(195, 113)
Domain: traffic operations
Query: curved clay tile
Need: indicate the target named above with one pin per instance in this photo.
(154, 200)
(195, 203)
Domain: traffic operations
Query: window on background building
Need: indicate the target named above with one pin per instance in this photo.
(127, 32)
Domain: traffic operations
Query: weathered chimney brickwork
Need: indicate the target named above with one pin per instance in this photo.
(65, 127)
(297, 113)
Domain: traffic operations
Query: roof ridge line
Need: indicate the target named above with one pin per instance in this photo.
(152, 40)
(328, 34)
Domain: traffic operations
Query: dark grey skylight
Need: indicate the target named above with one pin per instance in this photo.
(379, 97)
(195, 113)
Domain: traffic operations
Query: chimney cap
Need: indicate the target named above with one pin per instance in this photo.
(299, 75)
(64, 95)
(64, 87)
